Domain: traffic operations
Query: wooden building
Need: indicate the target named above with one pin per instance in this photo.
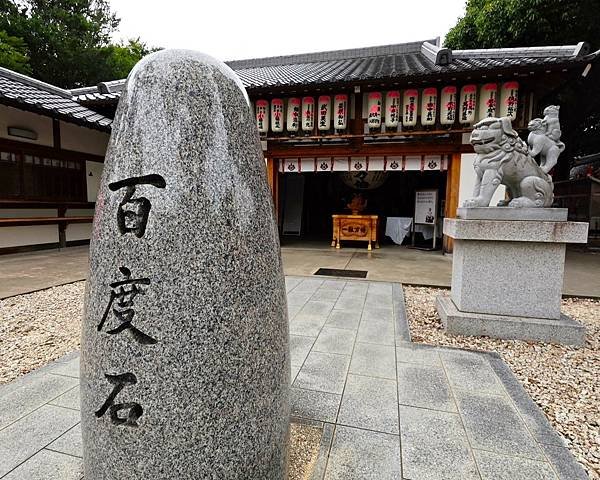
(385, 122)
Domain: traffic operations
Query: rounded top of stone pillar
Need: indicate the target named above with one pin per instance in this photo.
(179, 63)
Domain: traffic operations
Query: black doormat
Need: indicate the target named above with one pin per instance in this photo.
(334, 272)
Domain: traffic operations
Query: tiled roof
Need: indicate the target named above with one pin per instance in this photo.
(406, 61)
(24, 92)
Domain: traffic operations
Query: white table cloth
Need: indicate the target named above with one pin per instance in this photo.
(397, 228)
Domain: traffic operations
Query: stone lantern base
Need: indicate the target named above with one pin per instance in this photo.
(507, 274)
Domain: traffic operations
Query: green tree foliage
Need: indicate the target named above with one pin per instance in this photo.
(14, 53)
(69, 41)
(517, 23)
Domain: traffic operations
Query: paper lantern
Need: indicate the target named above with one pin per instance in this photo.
(293, 114)
(277, 115)
(488, 95)
(308, 114)
(448, 106)
(411, 101)
(429, 106)
(374, 105)
(340, 108)
(392, 109)
(509, 99)
(262, 115)
(324, 112)
(468, 104)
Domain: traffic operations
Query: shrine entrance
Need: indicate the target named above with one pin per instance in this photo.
(308, 200)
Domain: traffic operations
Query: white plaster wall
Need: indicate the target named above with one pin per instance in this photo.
(34, 235)
(81, 139)
(93, 174)
(79, 231)
(12, 117)
(467, 181)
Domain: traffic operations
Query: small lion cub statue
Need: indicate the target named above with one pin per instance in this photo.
(544, 139)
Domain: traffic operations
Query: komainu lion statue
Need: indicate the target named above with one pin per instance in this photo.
(504, 159)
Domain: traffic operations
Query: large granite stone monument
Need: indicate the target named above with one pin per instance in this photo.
(185, 363)
(508, 261)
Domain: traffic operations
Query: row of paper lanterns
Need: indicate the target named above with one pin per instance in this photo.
(472, 103)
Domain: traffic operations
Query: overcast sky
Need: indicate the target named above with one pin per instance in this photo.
(248, 29)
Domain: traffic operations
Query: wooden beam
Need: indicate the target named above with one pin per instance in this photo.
(56, 133)
(273, 180)
(452, 187)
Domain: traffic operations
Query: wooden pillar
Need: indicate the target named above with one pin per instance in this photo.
(273, 179)
(452, 186)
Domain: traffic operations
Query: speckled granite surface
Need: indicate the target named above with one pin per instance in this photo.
(185, 355)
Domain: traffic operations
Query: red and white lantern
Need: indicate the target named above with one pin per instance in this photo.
(509, 96)
(308, 114)
(277, 115)
(340, 111)
(468, 104)
(374, 105)
(429, 106)
(324, 112)
(411, 103)
(488, 98)
(392, 109)
(293, 114)
(448, 106)
(261, 110)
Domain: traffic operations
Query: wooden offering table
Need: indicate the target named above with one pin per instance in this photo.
(355, 227)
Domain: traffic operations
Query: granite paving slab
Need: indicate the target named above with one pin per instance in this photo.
(390, 409)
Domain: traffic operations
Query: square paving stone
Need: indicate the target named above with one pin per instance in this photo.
(374, 360)
(309, 285)
(493, 424)
(315, 405)
(319, 308)
(334, 284)
(47, 465)
(377, 314)
(348, 319)
(325, 372)
(70, 399)
(291, 283)
(424, 386)
(350, 302)
(380, 288)
(360, 454)
(31, 395)
(370, 403)
(434, 446)
(30, 434)
(471, 371)
(417, 353)
(307, 325)
(69, 442)
(293, 372)
(380, 301)
(299, 348)
(298, 298)
(68, 369)
(380, 332)
(335, 340)
(500, 467)
(293, 310)
(325, 295)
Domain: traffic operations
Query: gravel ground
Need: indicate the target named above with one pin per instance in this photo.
(38, 328)
(563, 381)
(304, 450)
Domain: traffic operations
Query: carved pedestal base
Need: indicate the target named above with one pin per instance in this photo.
(507, 274)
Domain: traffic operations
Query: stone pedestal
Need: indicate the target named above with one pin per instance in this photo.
(507, 274)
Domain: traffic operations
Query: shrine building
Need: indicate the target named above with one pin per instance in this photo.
(368, 138)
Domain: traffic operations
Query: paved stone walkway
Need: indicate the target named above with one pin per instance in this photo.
(390, 409)
(26, 272)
